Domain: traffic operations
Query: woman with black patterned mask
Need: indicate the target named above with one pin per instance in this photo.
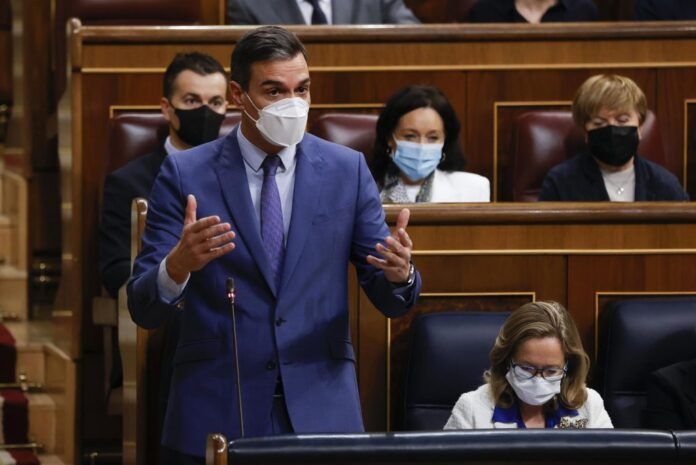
(611, 109)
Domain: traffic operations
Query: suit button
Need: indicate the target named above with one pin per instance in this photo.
(280, 321)
(271, 365)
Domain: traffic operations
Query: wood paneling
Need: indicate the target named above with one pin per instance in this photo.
(5, 55)
(690, 138)
(39, 161)
(672, 92)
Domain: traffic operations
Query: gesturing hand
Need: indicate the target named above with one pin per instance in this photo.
(201, 241)
(397, 254)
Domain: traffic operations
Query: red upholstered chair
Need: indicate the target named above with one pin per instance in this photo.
(132, 135)
(543, 139)
(354, 130)
(441, 11)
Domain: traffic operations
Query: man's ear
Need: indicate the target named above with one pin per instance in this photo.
(640, 132)
(236, 94)
(166, 109)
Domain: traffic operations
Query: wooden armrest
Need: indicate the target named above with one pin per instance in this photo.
(105, 311)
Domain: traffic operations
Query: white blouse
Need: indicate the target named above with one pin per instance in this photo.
(474, 410)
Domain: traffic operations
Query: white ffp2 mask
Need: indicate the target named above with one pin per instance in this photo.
(535, 390)
(282, 123)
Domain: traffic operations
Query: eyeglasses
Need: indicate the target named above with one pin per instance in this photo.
(529, 372)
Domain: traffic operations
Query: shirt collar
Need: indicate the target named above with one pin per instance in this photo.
(512, 415)
(509, 6)
(254, 156)
(169, 147)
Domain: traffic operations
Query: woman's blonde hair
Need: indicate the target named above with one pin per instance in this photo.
(539, 320)
(610, 91)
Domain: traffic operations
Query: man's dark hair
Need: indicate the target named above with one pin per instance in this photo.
(404, 101)
(263, 44)
(199, 63)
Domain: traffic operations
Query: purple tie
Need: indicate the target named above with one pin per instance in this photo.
(272, 230)
(318, 16)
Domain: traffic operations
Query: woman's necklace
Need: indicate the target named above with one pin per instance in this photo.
(620, 186)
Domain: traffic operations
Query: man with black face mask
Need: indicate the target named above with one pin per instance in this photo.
(194, 103)
(611, 110)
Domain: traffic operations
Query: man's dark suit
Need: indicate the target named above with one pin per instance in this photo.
(580, 180)
(670, 10)
(343, 12)
(135, 179)
(671, 397)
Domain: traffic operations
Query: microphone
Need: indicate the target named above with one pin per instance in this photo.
(231, 298)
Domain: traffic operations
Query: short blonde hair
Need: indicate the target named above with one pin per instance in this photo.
(538, 320)
(611, 91)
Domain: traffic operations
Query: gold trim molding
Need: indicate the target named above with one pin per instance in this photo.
(499, 252)
(423, 68)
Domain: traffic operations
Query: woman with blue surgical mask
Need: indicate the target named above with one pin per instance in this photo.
(536, 379)
(417, 156)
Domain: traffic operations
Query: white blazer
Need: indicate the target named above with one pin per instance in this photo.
(474, 410)
(460, 186)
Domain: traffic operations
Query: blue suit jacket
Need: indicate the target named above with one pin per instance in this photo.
(301, 328)
(579, 179)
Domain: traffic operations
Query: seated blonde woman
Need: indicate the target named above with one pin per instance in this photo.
(537, 377)
(611, 110)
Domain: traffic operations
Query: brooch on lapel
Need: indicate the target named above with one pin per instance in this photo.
(569, 423)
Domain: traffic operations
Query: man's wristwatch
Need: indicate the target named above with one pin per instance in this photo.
(411, 277)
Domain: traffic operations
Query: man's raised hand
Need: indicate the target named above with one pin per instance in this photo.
(201, 241)
(396, 261)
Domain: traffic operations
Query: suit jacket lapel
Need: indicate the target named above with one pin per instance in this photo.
(287, 11)
(235, 190)
(596, 184)
(304, 204)
(642, 180)
(341, 12)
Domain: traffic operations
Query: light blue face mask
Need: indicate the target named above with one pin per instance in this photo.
(416, 160)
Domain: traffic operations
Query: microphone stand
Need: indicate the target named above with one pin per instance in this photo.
(230, 297)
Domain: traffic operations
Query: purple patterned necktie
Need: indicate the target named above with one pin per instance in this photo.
(272, 229)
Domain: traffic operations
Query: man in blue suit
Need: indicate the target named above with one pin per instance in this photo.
(282, 212)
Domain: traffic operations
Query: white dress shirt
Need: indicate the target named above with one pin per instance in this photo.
(253, 157)
(169, 147)
(307, 10)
